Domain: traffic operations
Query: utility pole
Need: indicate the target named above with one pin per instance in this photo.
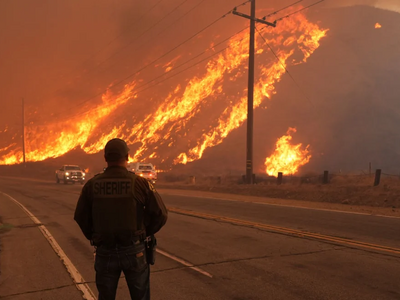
(23, 131)
(250, 90)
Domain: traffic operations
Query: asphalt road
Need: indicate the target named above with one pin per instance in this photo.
(256, 252)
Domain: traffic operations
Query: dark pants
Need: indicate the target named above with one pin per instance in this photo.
(132, 261)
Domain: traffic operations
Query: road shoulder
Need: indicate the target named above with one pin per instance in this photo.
(356, 209)
(29, 268)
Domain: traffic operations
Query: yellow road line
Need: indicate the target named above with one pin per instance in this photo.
(294, 232)
(283, 230)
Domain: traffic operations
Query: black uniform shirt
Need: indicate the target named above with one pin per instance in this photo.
(155, 212)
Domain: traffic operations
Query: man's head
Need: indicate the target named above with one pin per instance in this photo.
(116, 152)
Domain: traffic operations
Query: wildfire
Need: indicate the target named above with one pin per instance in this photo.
(176, 111)
(287, 158)
(170, 65)
(377, 26)
(67, 135)
(233, 117)
(170, 125)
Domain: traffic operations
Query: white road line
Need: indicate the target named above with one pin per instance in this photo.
(185, 263)
(77, 278)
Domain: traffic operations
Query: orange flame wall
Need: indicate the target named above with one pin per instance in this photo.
(58, 138)
(292, 33)
(294, 40)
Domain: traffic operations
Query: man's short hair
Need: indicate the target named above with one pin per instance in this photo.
(116, 150)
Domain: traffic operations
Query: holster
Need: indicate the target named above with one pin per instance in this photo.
(151, 245)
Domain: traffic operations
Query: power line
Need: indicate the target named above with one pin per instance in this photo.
(286, 70)
(304, 8)
(279, 10)
(160, 57)
(112, 41)
(165, 79)
(171, 50)
(198, 55)
(165, 28)
(154, 79)
(143, 33)
(191, 66)
(273, 52)
(91, 79)
(159, 33)
(242, 4)
(122, 33)
(155, 84)
(175, 68)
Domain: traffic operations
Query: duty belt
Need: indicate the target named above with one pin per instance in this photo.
(135, 240)
(120, 245)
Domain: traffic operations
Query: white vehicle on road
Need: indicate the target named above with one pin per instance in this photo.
(70, 173)
(145, 170)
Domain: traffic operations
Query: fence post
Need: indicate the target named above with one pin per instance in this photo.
(192, 179)
(280, 175)
(326, 177)
(377, 177)
(219, 180)
(254, 178)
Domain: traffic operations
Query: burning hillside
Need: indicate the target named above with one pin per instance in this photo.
(342, 103)
(166, 135)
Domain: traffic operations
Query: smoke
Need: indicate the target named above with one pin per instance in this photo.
(392, 5)
(58, 54)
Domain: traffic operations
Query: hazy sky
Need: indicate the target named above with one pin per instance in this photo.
(48, 46)
(50, 50)
(61, 53)
(392, 5)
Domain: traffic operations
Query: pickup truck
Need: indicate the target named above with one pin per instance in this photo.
(70, 173)
(145, 170)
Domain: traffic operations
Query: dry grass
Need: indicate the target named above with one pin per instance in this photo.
(345, 189)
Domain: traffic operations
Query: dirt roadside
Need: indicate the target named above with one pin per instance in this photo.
(29, 268)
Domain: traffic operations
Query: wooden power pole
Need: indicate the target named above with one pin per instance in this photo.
(250, 94)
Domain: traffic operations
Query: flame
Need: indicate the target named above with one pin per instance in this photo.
(8, 147)
(170, 65)
(42, 143)
(287, 158)
(172, 120)
(377, 25)
(179, 110)
(234, 116)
